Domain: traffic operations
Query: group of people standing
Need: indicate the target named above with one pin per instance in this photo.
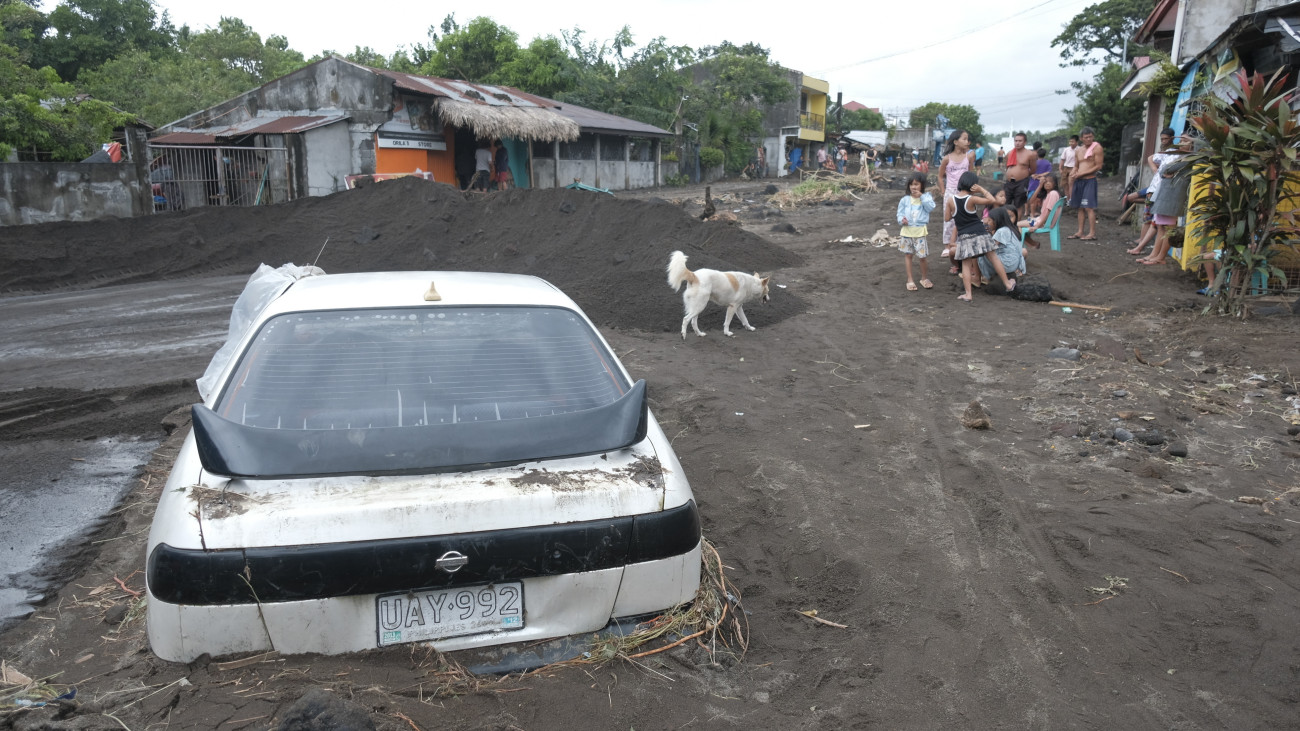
(1081, 162)
(834, 159)
(491, 167)
(987, 235)
(1165, 198)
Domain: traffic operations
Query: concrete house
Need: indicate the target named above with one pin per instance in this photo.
(311, 131)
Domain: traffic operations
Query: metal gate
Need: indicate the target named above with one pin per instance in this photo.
(188, 176)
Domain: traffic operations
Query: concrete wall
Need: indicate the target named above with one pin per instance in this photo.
(918, 138)
(784, 113)
(1203, 21)
(41, 192)
(330, 84)
(619, 174)
(641, 174)
(329, 158)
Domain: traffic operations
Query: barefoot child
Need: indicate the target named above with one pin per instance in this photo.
(913, 215)
(1001, 224)
(973, 239)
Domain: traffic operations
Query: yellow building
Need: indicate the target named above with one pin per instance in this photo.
(813, 95)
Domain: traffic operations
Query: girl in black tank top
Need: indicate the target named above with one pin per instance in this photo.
(973, 239)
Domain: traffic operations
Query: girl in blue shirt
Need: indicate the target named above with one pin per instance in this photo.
(913, 215)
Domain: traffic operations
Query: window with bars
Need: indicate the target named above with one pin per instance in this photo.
(641, 149)
(612, 147)
(583, 148)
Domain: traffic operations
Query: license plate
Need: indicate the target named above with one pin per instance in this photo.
(435, 614)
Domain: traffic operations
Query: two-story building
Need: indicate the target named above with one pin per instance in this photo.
(799, 121)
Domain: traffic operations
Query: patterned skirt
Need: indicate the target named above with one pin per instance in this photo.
(970, 246)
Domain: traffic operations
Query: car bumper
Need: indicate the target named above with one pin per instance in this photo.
(555, 606)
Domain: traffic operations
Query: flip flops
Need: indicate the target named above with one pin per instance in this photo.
(911, 286)
(927, 284)
(963, 298)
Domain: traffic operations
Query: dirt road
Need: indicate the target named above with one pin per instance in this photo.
(1037, 574)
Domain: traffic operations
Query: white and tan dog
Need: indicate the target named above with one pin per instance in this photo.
(729, 289)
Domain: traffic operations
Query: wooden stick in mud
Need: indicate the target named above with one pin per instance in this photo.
(1079, 306)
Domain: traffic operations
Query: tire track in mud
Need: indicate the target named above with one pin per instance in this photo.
(980, 579)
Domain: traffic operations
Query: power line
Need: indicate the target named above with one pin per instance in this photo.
(960, 36)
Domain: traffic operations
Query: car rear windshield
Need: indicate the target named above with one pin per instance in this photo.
(358, 369)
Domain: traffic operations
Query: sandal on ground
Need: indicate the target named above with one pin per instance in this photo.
(1149, 262)
(1137, 252)
(1073, 236)
(911, 286)
(1012, 286)
(963, 298)
(1087, 238)
(927, 283)
(1207, 291)
(954, 270)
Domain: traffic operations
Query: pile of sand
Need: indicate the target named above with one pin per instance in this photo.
(608, 253)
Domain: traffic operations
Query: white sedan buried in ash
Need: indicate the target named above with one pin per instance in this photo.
(380, 461)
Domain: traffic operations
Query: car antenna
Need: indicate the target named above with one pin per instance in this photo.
(322, 250)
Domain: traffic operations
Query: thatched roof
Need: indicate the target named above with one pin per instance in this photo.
(521, 123)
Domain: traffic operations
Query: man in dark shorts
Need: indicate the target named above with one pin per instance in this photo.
(1088, 160)
(1020, 165)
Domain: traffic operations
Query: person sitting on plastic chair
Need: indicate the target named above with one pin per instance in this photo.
(1050, 198)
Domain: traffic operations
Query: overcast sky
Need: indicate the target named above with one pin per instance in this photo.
(996, 57)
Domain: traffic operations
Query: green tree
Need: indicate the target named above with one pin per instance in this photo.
(960, 116)
(862, 119)
(42, 116)
(1101, 30)
(207, 68)
(22, 27)
(234, 46)
(652, 81)
(473, 53)
(543, 68)
(734, 85)
(86, 33)
(1101, 108)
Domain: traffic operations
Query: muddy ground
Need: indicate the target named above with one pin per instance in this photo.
(1037, 574)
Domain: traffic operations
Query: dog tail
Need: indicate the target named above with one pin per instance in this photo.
(678, 273)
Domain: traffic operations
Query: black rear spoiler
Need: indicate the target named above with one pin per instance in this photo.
(229, 448)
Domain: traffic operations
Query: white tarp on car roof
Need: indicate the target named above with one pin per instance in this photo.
(262, 288)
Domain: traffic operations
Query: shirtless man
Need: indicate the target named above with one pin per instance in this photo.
(1088, 160)
(1020, 165)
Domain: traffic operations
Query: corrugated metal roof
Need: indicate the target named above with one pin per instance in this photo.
(260, 125)
(464, 91)
(591, 120)
(184, 138)
(282, 125)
